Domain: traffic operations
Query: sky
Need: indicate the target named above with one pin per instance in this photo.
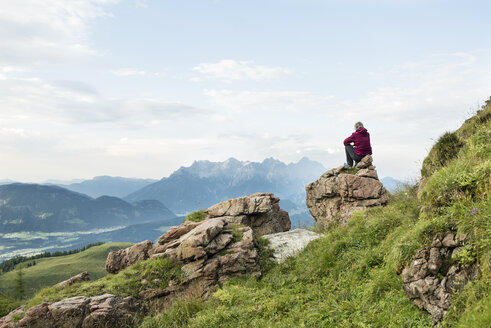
(138, 88)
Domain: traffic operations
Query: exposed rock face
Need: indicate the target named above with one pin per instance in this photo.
(431, 277)
(337, 194)
(259, 211)
(100, 311)
(84, 276)
(289, 243)
(116, 261)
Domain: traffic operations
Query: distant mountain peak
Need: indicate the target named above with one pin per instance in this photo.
(205, 183)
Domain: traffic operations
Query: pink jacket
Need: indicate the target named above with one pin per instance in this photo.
(361, 139)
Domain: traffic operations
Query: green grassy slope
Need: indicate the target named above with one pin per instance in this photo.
(345, 279)
(349, 277)
(7, 304)
(49, 271)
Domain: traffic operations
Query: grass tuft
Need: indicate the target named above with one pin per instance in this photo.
(196, 216)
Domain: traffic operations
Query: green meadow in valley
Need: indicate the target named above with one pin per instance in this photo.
(51, 270)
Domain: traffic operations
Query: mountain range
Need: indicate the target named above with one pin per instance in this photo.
(206, 183)
(31, 207)
(107, 185)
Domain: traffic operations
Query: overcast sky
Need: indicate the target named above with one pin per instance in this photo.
(138, 88)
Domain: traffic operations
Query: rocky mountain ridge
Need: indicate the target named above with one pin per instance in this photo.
(205, 183)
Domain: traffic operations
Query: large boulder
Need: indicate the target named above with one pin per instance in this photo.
(289, 243)
(341, 191)
(78, 312)
(259, 211)
(431, 277)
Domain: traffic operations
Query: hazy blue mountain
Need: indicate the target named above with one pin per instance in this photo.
(32, 207)
(61, 183)
(6, 181)
(205, 183)
(391, 184)
(109, 186)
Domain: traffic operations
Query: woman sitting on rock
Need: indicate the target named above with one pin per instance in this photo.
(361, 140)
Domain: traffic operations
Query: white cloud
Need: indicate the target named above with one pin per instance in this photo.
(27, 100)
(266, 100)
(141, 4)
(34, 31)
(129, 72)
(435, 91)
(230, 70)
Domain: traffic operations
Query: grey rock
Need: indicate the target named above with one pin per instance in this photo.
(290, 243)
(429, 283)
(80, 312)
(259, 211)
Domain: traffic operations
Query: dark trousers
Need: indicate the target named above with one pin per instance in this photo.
(351, 155)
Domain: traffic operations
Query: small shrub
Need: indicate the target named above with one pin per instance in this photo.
(444, 150)
(196, 216)
(466, 255)
(266, 261)
(237, 234)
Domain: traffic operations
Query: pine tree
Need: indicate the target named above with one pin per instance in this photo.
(19, 283)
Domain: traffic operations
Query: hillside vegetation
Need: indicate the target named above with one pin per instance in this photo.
(349, 278)
(49, 271)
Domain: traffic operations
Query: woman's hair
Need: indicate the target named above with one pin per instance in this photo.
(358, 125)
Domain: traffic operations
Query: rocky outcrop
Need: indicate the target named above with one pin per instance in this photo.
(85, 312)
(259, 211)
(116, 261)
(210, 252)
(341, 191)
(83, 276)
(290, 243)
(193, 241)
(222, 245)
(432, 277)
